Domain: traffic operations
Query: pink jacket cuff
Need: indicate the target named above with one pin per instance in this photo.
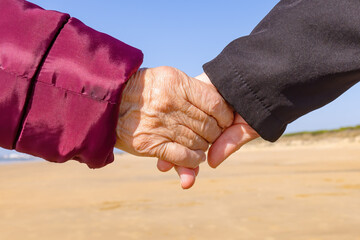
(63, 85)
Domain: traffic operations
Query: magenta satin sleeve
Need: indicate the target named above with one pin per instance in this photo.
(60, 85)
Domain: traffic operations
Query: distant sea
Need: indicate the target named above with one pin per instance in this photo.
(13, 157)
(7, 156)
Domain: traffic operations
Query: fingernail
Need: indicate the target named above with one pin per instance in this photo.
(185, 178)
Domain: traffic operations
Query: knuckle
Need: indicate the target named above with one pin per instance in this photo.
(193, 160)
(162, 152)
(183, 158)
(198, 143)
(228, 116)
(216, 105)
(193, 165)
(179, 156)
(190, 143)
(140, 144)
(145, 145)
(204, 146)
(211, 130)
(190, 140)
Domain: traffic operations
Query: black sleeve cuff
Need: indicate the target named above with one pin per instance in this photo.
(238, 93)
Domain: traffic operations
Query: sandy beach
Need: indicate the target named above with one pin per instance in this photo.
(287, 191)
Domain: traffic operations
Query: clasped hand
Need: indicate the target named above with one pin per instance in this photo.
(166, 114)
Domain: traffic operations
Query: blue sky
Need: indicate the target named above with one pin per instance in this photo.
(186, 34)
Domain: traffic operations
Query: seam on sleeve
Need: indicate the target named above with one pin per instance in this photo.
(31, 89)
(258, 99)
(79, 94)
(27, 78)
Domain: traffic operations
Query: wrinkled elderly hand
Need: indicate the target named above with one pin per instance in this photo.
(231, 140)
(168, 115)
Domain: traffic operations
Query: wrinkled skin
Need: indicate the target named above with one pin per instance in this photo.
(230, 141)
(168, 115)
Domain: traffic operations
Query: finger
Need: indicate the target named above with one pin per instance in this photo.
(228, 143)
(231, 140)
(200, 123)
(164, 166)
(207, 98)
(186, 137)
(187, 176)
(180, 155)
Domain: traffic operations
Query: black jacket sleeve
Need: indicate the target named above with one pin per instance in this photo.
(303, 55)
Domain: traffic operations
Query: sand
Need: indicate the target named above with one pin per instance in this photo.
(287, 191)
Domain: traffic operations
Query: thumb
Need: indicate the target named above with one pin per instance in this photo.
(231, 140)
